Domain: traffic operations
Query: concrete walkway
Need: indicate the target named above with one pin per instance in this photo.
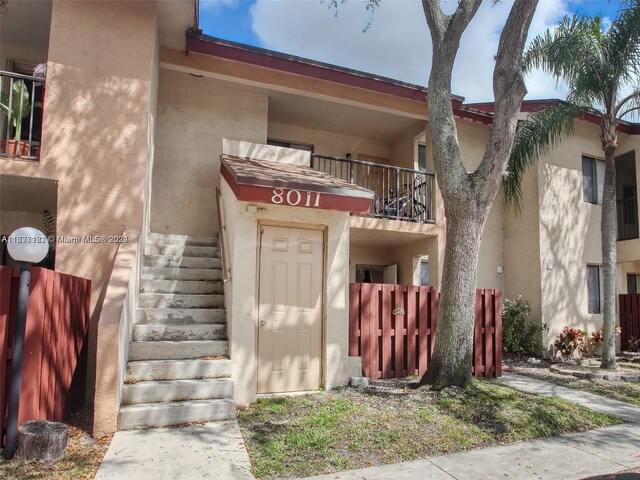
(574, 456)
(628, 413)
(212, 451)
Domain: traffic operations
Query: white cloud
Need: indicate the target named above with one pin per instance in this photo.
(212, 5)
(397, 43)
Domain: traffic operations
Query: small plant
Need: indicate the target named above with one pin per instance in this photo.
(572, 341)
(519, 335)
(16, 105)
(633, 344)
(598, 337)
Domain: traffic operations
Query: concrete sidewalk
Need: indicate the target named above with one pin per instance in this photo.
(213, 451)
(574, 456)
(628, 413)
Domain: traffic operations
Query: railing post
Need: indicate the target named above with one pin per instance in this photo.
(397, 194)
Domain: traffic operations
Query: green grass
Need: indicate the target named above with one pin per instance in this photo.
(338, 430)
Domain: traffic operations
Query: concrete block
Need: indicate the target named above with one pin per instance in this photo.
(180, 316)
(192, 331)
(179, 300)
(359, 382)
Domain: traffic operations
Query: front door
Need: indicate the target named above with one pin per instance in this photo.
(290, 309)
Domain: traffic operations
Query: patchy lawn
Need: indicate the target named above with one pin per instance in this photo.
(623, 391)
(343, 429)
(80, 462)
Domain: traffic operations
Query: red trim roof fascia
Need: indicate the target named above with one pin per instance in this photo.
(263, 59)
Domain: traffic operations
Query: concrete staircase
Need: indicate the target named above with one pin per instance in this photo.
(178, 369)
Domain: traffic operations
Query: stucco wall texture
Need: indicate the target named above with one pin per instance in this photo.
(194, 115)
(96, 131)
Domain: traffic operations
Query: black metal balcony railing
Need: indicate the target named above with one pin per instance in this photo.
(20, 115)
(627, 211)
(399, 193)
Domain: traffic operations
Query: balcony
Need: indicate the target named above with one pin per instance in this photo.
(21, 99)
(400, 193)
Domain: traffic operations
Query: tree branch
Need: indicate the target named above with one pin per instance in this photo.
(508, 89)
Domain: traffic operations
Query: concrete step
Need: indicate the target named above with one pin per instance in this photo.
(180, 316)
(197, 287)
(174, 413)
(177, 350)
(193, 331)
(169, 239)
(181, 250)
(179, 300)
(177, 369)
(181, 262)
(176, 390)
(176, 273)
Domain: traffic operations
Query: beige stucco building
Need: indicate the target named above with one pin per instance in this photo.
(138, 109)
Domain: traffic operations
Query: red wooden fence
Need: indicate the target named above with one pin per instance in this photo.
(57, 323)
(392, 328)
(629, 319)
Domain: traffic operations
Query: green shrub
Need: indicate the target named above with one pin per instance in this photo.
(519, 336)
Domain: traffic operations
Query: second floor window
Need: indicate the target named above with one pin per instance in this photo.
(592, 179)
(422, 157)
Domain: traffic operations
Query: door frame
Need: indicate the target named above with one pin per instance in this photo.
(256, 322)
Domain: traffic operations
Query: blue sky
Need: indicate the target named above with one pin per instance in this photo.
(396, 45)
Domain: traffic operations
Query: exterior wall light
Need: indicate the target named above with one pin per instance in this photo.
(28, 246)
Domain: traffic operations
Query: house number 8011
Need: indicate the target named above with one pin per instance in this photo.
(295, 198)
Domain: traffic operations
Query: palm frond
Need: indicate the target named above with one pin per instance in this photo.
(623, 44)
(629, 105)
(535, 135)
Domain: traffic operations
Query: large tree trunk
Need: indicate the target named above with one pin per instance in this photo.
(468, 196)
(452, 358)
(609, 238)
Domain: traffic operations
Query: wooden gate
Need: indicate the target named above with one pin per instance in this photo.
(630, 321)
(57, 323)
(392, 328)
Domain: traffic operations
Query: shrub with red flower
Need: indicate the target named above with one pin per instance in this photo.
(571, 340)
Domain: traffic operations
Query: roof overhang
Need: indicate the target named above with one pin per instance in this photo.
(292, 185)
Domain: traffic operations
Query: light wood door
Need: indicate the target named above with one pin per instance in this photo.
(290, 310)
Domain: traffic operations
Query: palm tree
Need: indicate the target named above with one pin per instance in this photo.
(598, 64)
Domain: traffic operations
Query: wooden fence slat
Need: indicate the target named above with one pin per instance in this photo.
(498, 334)
(373, 331)
(398, 332)
(488, 333)
(364, 329)
(435, 303)
(412, 318)
(47, 346)
(635, 316)
(387, 359)
(32, 356)
(477, 334)
(423, 328)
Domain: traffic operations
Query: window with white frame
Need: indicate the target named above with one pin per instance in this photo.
(422, 157)
(424, 273)
(592, 179)
(594, 288)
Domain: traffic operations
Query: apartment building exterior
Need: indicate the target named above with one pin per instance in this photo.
(228, 182)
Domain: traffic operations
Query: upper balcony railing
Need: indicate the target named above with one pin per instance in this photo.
(399, 193)
(627, 210)
(20, 115)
